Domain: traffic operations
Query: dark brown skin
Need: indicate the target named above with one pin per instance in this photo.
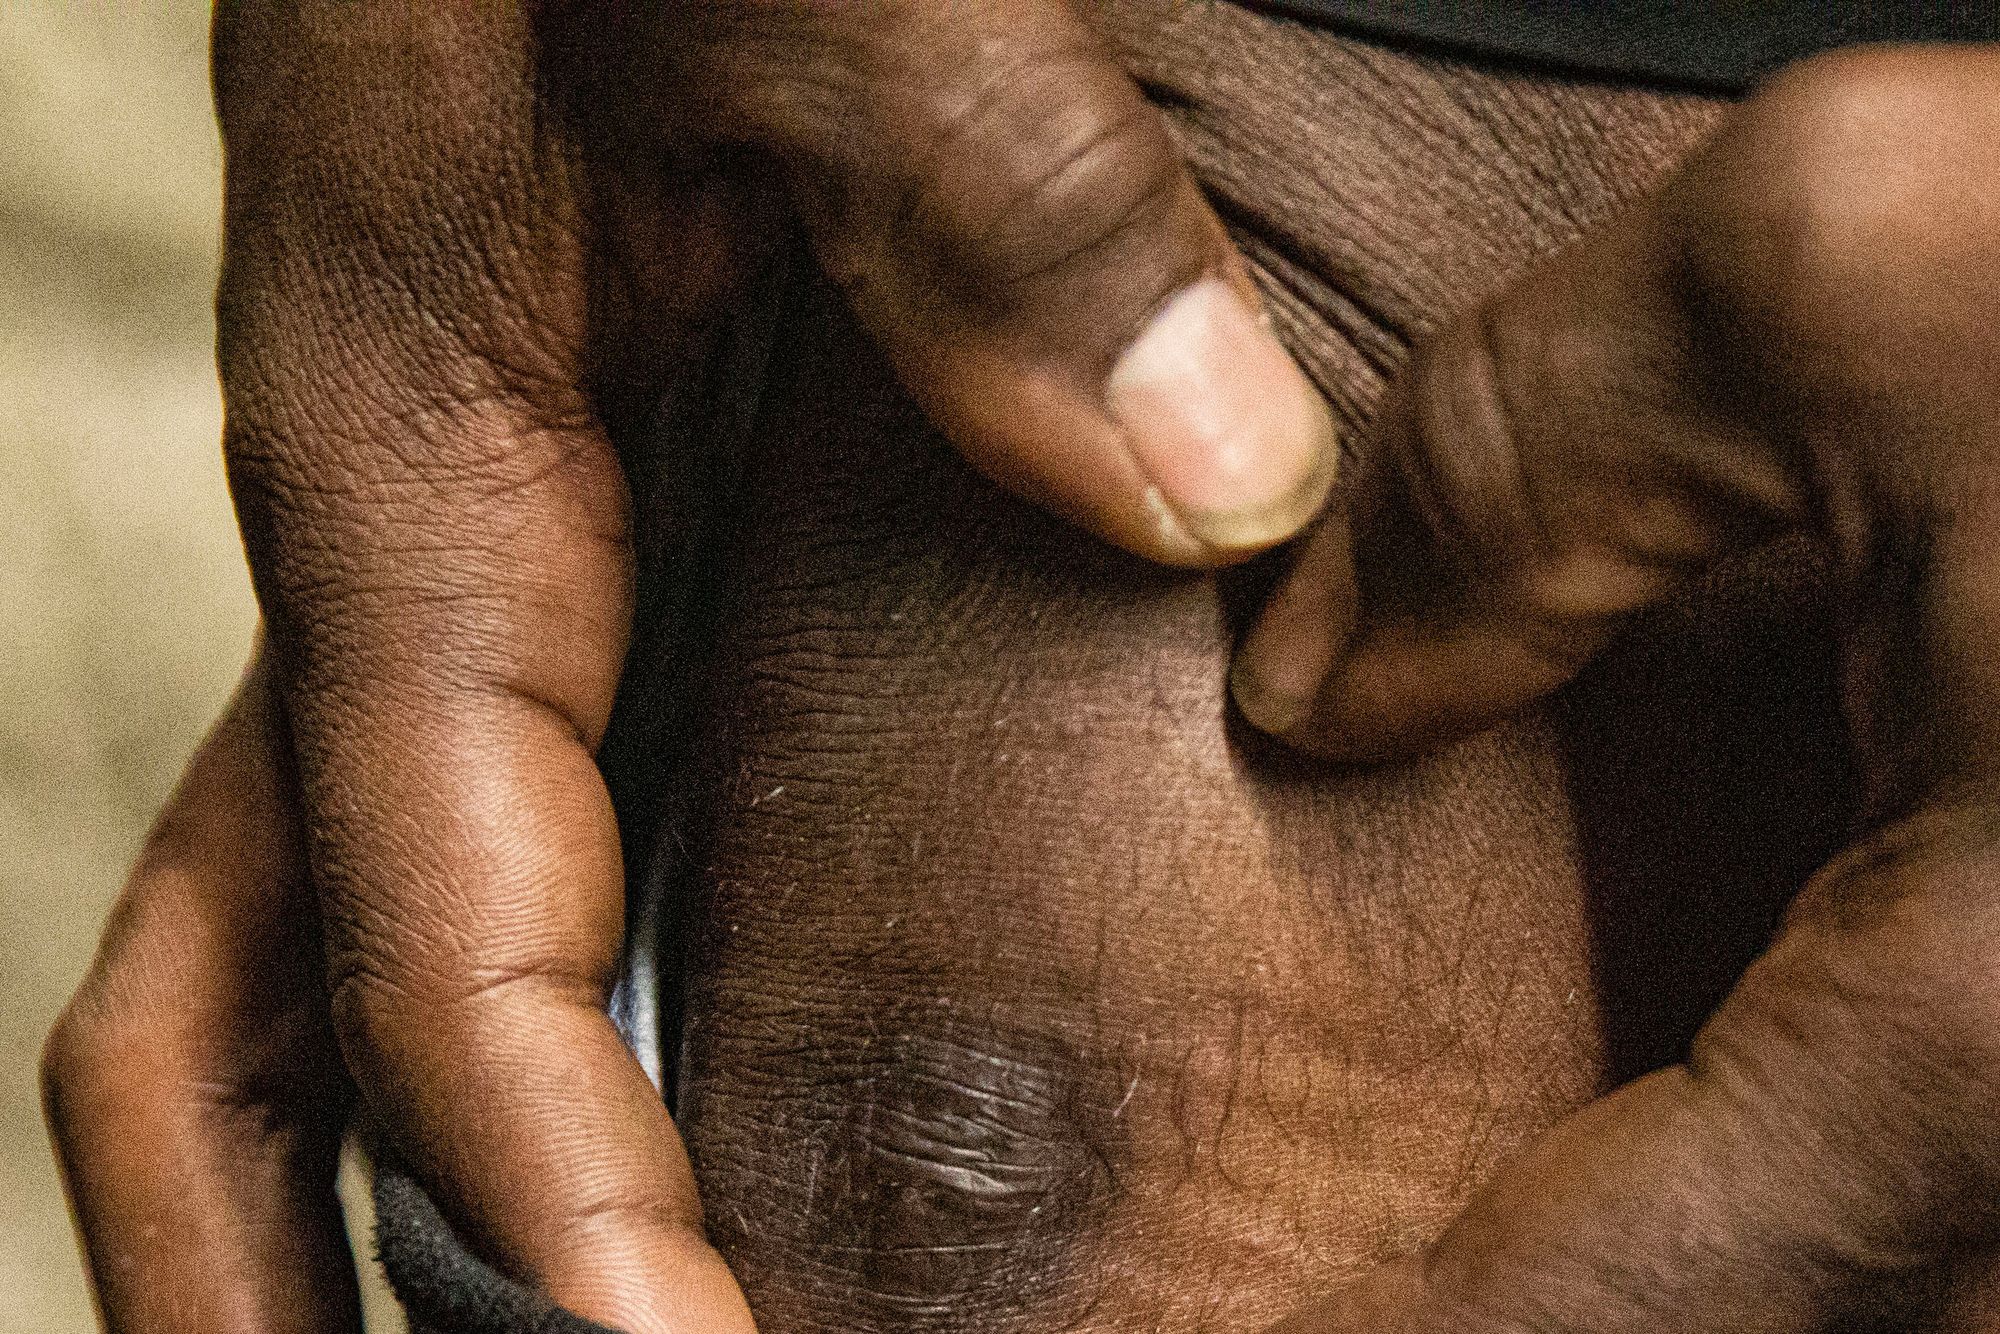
(1030, 993)
(1025, 993)
(1791, 337)
(465, 243)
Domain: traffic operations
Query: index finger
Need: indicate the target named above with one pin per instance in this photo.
(435, 521)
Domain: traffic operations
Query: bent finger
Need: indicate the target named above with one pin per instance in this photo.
(193, 1088)
(1788, 335)
(1824, 1158)
(437, 525)
(1544, 469)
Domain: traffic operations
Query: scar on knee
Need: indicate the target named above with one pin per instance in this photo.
(951, 1179)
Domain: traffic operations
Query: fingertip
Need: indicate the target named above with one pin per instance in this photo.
(1281, 672)
(1404, 689)
(670, 1281)
(1324, 725)
(1343, 703)
(1272, 712)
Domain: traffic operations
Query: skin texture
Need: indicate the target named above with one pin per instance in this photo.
(467, 246)
(1022, 991)
(235, 1078)
(1784, 340)
(1023, 998)
(1027, 991)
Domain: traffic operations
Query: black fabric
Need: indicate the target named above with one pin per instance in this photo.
(1722, 45)
(443, 1285)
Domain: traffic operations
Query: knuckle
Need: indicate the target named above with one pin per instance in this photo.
(423, 438)
(69, 1050)
(1000, 166)
(377, 997)
(384, 995)
(1454, 446)
(145, 989)
(455, 557)
(82, 1048)
(1883, 985)
(386, 968)
(1847, 188)
(128, 998)
(375, 1020)
(1052, 169)
(583, 1226)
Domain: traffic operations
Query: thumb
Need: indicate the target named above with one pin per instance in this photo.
(1011, 220)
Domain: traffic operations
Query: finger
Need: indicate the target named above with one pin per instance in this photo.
(193, 1089)
(1759, 346)
(1013, 223)
(1544, 468)
(1823, 1159)
(436, 522)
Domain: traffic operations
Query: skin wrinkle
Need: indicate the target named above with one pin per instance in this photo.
(1384, 175)
(983, 825)
(836, 842)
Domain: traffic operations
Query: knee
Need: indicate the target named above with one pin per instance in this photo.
(925, 1174)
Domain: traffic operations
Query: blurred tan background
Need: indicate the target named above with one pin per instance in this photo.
(124, 609)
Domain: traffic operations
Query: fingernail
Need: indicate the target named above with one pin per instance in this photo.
(1235, 439)
(1278, 672)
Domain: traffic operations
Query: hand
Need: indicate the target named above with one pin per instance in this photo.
(1795, 334)
(464, 245)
